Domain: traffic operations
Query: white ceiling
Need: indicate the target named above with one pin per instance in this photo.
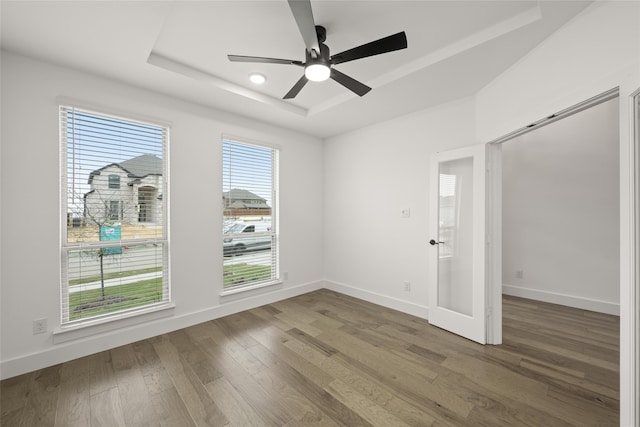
(179, 48)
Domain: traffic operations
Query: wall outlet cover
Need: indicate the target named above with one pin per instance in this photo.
(39, 326)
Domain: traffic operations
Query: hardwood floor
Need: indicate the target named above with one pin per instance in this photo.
(326, 359)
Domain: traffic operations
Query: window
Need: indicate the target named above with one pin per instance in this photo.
(448, 214)
(112, 266)
(114, 210)
(145, 202)
(114, 181)
(249, 196)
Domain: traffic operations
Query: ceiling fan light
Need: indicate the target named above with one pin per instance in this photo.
(257, 78)
(317, 72)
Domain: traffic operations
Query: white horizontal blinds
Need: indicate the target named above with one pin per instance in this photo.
(115, 250)
(249, 212)
(104, 281)
(110, 162)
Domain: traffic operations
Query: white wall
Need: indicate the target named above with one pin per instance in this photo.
(31, 225)
(370, 176)
(560, 216)
(372, 173)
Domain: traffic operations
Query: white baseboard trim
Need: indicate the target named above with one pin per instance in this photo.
(568, 300)
(81, 347)
(383, 300)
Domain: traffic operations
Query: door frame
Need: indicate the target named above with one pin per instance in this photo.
(630, 312)
(493, 244)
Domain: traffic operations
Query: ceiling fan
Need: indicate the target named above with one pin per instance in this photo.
(318, 65)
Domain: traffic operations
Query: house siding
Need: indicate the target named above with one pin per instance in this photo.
(128, 195)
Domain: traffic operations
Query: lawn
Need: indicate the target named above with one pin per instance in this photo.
(240, 274)
(91, 303)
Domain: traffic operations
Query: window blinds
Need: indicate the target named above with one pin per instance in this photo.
(113, 263)
(249, 195)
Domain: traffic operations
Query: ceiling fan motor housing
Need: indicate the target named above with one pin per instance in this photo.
(324, 56)
(318, 64)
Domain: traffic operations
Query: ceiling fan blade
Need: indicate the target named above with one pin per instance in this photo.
(387, 44)
(296, 88)
(303, 15)
(351, 84)
(240, 58)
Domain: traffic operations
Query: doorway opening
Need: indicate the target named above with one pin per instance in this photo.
(561, 211)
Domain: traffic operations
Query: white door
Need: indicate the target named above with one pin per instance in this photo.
(457, 288)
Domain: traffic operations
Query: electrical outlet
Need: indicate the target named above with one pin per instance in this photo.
(519, 274)
(285, 275)
(405, 212)
(407, 286)
(39, 326)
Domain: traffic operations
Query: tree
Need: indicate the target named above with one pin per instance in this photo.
(101, 213)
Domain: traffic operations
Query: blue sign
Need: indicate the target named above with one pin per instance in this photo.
(110, 232)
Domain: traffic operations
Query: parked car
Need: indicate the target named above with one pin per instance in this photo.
(241, 237)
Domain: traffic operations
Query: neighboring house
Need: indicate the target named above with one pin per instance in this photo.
(243, 202)
(129, 192)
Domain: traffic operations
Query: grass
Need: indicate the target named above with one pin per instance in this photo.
(114, 275)
(240, 274)
(90, 303)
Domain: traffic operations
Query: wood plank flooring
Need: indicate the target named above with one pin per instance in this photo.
(326, 359)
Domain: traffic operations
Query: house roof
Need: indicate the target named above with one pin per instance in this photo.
(239, 194)
(141, 166)
(241, 205)
(137, 167)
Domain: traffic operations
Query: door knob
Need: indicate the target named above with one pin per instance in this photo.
(433, 242)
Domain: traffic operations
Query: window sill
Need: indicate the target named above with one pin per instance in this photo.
(241, 289)
(98, 326)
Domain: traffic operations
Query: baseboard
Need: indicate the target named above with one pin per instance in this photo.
(568, 300)
(70, 350)
(383, 300)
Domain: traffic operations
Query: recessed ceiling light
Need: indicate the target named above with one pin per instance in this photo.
(257, 78)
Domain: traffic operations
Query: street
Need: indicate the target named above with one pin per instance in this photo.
(254, 258)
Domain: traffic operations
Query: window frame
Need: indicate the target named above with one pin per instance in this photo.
(273, 231)
(114, 181)
(65, 107)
